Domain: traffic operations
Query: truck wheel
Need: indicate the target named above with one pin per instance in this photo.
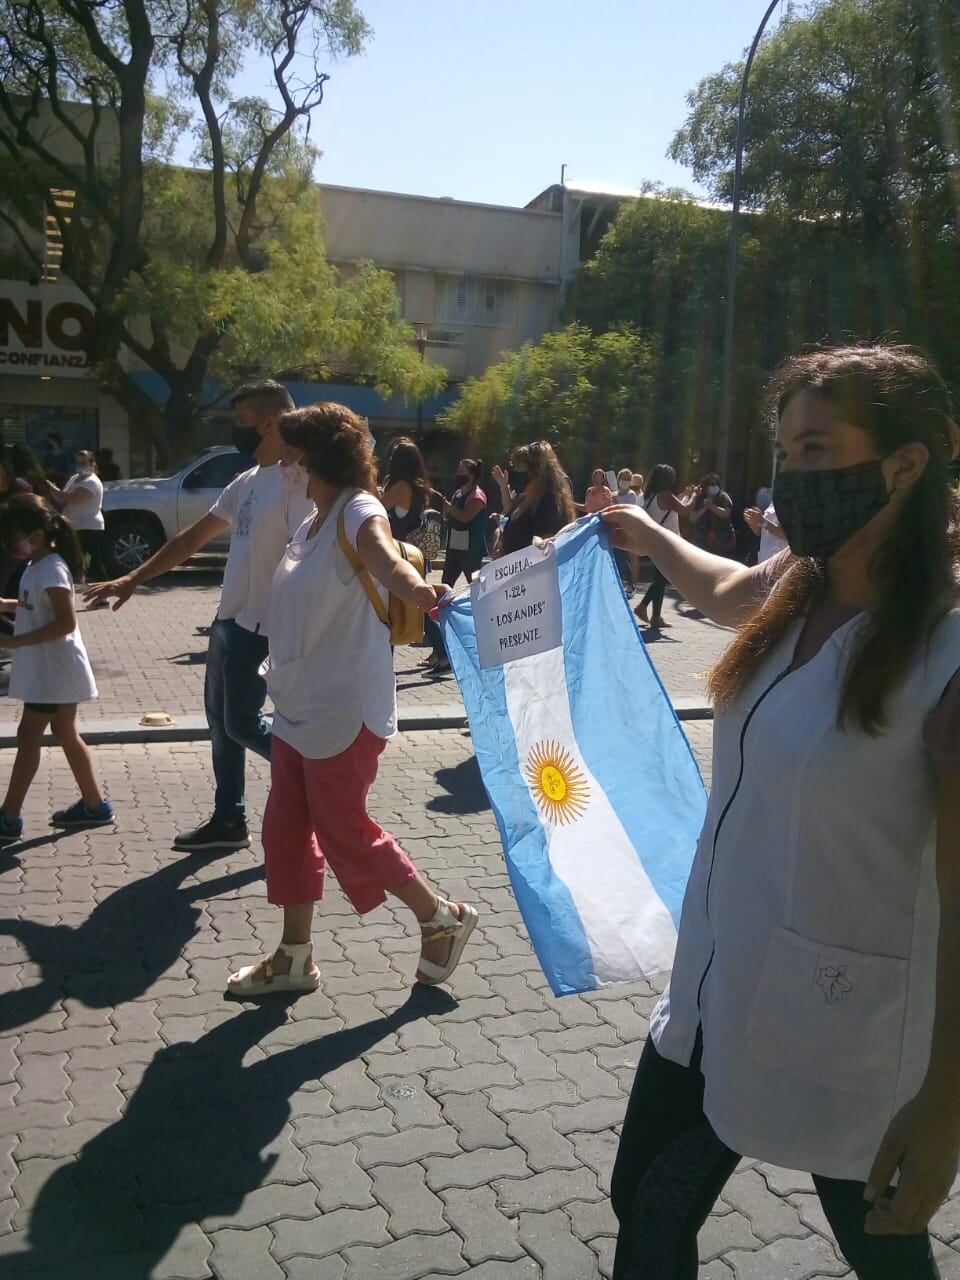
(129, 543)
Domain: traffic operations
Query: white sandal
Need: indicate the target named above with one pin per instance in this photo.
(303, 976)
(445, 924)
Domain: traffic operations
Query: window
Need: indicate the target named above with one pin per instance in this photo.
(472, 300)
(217, 472)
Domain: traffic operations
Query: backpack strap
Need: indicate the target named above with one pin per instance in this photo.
(373, 595)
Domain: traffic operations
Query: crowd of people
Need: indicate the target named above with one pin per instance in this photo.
(812, 1018)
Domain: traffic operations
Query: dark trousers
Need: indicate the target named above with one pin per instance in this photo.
(655, 593)
(91, 544)
(233, 696)
(671, 1167)
(457, 562)
(624, 567)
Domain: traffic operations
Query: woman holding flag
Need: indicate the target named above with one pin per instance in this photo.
(813, 1014)
(332, 684)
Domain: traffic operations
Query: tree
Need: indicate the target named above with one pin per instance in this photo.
(659, 270)
(210, 274)
(583, 392)
(852, 114)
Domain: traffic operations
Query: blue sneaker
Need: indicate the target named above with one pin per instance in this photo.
(11, 830)
(82, 815)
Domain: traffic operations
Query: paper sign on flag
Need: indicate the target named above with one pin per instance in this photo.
(516, 606)
(596, 793)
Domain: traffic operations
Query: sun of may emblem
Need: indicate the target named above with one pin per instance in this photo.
(558, 786)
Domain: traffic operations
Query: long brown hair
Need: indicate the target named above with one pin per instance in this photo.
(405, 464)
(27, 513)
(541, 461)
(896, 394)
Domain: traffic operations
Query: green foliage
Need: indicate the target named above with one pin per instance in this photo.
(851, 113)
(582, 391)
(207, 275)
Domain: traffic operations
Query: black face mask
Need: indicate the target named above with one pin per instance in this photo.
(246, 439)
(518, 480)
(820, 511)
(462, 481)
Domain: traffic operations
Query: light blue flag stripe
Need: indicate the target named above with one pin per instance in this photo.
(628, 738)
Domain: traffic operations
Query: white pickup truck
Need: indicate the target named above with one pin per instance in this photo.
(141, 515)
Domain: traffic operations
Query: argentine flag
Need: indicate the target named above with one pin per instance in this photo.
(593, 784)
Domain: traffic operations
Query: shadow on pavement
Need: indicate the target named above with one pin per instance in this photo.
(126, 943)
(188, 1146)
(464, 788)
(196, 659)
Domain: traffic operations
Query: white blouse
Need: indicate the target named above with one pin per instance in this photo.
(808, 940)
(331, 665)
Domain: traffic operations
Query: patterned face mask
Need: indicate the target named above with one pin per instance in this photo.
(820, 511)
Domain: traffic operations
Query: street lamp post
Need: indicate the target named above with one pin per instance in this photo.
(421, 331)
(726, 401)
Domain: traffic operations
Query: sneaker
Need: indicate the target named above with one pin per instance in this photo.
(11, 830)
(215, 834)
(84, 815)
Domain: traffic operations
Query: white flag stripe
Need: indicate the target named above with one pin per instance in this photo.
(629, 930)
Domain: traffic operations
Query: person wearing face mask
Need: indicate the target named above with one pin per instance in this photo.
(710, 510)
(466, 516)
(811, 1020)
(332, 684)
(535, 494)
(81, 498)
(598, 495)
(262, 507)
(51, 672)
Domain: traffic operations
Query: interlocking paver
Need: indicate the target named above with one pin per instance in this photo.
(475, 1168)
(244, 1255)
(409, 1101)
(329, 1232)
(267, 1204)
(770, 1217)
(546, 1148)
(549, 1238)
(331, 1268)
(404, 1193)
(798, 1259)
(476, 1124)
(406, 1259)
(529, 1060)
(543, 1191)
(412, 1144)
(477, 1218)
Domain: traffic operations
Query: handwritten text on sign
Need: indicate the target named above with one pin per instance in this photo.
(516, 606)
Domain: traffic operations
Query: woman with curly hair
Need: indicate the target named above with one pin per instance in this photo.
(813, 1014)
(536, 496)
(332, 684)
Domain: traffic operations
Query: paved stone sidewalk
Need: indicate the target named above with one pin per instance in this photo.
(149, 655)
(152, 1129)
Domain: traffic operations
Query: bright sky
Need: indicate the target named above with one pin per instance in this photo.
(486, 99)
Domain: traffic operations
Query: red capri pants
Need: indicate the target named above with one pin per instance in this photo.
(317, 813)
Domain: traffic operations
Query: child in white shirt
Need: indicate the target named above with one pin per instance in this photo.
(51, 671)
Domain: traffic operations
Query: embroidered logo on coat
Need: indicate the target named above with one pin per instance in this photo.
(833, 982)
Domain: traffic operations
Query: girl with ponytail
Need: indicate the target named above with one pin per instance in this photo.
(813, 1014)
(51, 672)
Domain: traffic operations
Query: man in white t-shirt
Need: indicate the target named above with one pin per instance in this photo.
(262, 515)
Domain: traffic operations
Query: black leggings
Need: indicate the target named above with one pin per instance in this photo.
(655, 593)
(671, 1167)
(458, 562)
(91, 544)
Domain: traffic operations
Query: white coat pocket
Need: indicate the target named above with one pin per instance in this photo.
(829, 1014)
